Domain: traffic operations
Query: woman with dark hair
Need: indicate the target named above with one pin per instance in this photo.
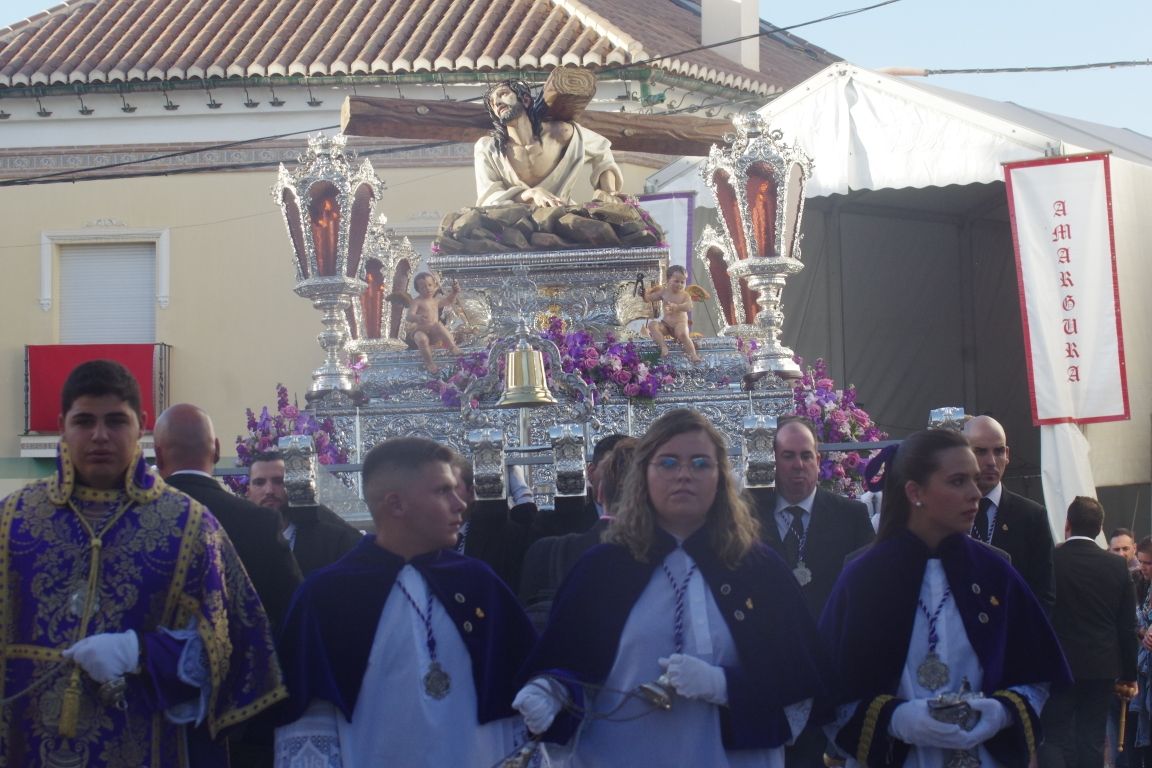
(941, 654)
(681, 640)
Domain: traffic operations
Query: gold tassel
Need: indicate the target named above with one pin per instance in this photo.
(70, 706)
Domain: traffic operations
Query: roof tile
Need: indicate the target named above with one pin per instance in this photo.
(111, 41)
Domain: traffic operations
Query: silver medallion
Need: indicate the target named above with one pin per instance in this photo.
(437, 683)
(802, 573)
(932, 672)
(79, 599)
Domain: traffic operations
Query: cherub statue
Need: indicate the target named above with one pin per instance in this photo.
(424, 326)
(677, 298)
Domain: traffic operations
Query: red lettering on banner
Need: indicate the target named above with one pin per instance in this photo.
(1070, 325)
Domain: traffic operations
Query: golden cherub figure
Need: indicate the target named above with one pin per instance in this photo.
(676, 297)
(423, 327)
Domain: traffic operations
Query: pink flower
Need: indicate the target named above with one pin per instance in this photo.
(622, 377)
(631, 390)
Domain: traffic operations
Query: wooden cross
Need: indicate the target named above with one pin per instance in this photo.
(567, 92)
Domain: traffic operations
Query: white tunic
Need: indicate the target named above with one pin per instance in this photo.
(396, 723)
(626, 731)
(955, 651)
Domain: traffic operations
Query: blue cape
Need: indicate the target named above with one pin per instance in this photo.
(334, 615)
(776, 641)
(867, 627)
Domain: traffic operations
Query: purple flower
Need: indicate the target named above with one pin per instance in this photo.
(631, 390)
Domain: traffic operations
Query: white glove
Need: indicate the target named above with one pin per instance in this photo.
(912, 724)
(517, 487)
(695, 678)
(539, 702)
(993, 719)
(107, 656)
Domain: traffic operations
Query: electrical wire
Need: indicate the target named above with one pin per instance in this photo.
(1058, 68)
(85, 174)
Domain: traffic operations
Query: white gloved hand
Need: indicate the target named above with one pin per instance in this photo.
(912, 724)
(695, 678)
(107, 656)
(993, 719)
(518, 487)
(539, 702)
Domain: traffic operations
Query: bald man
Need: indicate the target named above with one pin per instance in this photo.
(1007, 520)
(186, 451)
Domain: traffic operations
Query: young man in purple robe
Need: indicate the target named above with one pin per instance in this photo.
(131, 634)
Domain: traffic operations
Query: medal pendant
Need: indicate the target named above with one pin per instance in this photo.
(802, 573)
(932, 672)
(437, 683)
(962, 758)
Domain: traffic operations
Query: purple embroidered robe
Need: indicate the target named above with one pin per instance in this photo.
(162, 563)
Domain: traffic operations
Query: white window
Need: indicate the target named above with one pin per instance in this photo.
(107, 293)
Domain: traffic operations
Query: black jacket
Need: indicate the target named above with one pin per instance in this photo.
(255, 532)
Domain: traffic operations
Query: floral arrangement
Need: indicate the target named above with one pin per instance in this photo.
(611, 365)
(837, 419)
(265, 431)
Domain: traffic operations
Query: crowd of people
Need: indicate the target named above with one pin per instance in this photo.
(668, 618)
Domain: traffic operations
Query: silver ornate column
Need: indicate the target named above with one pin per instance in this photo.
(759, 454)
(950, 417)
(758, 182)
(299, 455)
(568, 459)
(328, 203)
(489, 478)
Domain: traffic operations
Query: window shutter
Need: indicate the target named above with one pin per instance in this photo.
(108, 293)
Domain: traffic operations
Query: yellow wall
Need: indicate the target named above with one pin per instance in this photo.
(234, 323)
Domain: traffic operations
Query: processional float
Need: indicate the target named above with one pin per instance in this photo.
(347, 263)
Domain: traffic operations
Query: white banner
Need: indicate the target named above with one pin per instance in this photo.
(1061, 210)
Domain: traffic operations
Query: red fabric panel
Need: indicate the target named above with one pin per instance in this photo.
(49, 366)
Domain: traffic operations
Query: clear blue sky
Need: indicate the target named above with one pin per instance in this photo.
(980, 34)
(966, 34)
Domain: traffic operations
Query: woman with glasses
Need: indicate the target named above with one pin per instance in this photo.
(941, 654)
(681, 640)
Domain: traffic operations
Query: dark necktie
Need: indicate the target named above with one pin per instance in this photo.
(980, 527)
(794, 536)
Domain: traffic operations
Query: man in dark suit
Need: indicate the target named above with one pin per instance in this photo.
(186, 451)
(1015, 524)
(814, 531)
(316, 535)
(1095, 621)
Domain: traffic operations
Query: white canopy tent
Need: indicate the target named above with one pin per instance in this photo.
(909, 290)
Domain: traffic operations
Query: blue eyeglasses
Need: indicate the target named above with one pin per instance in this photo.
(670, 465)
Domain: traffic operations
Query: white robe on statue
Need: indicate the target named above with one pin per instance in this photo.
(497, 182)
(395, 722)
(634, 733)
(955, 651)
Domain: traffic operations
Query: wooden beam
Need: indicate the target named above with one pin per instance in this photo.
(567, 91)
(413, 119)
(468, 121)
